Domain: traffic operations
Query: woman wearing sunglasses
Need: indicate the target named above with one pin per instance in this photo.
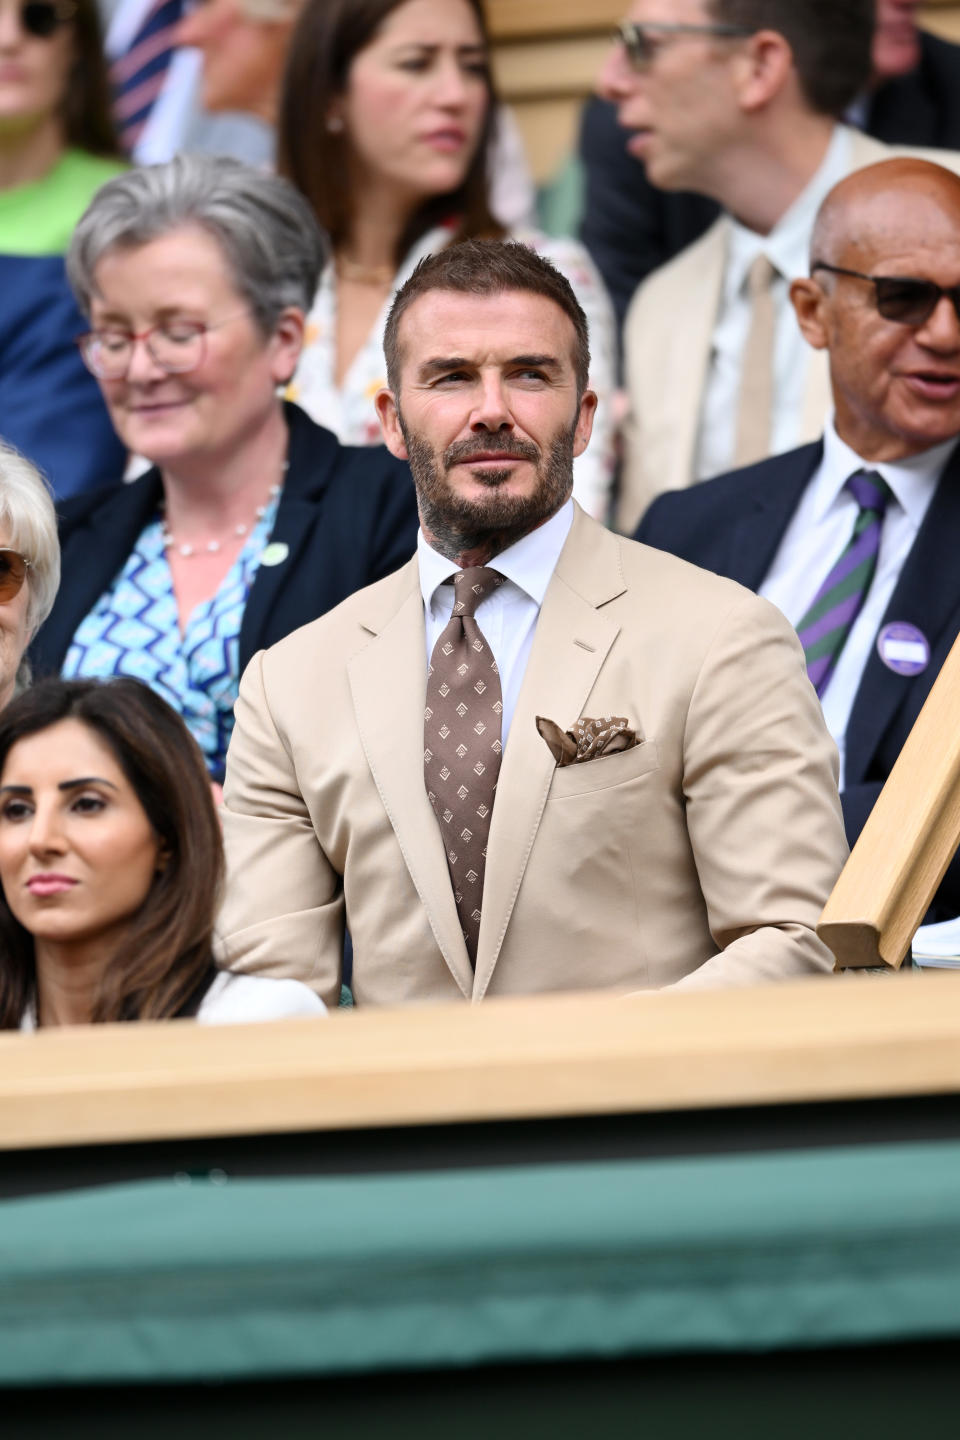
(110, 865)
(196, 276)
(57, 146)
(29, 565)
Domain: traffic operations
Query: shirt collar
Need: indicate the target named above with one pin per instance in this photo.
(529, 564)
(912, 480)
(788, 243)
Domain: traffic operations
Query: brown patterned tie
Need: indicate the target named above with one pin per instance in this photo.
(461, 744)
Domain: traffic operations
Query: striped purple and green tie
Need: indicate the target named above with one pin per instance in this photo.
(824, 628)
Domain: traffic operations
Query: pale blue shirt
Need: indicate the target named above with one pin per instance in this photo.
(821, 527)
(508, 616)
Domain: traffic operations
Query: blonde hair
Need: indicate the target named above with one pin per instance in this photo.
(28, 516)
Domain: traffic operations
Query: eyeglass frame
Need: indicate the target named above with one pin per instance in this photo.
(6, 550)
(952, 292)
(134, 337)
(63, 12)
(641, 54)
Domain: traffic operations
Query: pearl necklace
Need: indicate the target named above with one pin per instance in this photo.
(213, 547)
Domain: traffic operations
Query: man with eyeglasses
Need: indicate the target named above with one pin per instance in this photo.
(855, 537)
(630, 227)
(739, 100)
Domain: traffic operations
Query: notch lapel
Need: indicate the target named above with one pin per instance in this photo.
(573, 638)
(688, 354)
(765, 513)
(388, 680)
(927, 594)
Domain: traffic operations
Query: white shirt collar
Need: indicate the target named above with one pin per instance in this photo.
(787, 246)
(529, 564)
(912, 480)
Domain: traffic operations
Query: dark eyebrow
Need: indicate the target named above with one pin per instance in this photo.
(430, 47)
(439, 364)
(538, 362)
(85, 780)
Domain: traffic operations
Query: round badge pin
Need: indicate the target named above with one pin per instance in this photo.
(275, 553)
(903, 648)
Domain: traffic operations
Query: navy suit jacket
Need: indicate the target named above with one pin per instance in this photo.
(733, 525)
(348, 515)
(50, 405)
(630, 227)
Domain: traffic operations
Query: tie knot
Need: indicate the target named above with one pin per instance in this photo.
(870, 491)
(471, 586)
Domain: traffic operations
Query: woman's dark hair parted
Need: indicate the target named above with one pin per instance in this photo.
(328, 37)
(87, 114)
(166, 965)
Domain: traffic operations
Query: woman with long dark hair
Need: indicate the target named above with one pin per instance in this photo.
(386, 123)
(111, 866)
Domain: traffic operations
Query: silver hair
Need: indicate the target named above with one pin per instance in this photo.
(267, 231)
(30, 521)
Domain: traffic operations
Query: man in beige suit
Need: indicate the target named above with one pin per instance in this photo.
(738, 100)
(697, 833)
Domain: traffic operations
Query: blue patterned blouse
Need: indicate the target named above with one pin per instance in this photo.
(134, 630)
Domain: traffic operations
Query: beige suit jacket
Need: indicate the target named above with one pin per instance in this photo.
(667, 343)
(705, 853)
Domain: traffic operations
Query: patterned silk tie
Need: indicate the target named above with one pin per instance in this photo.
(461, 735)
(824, 628)
(138, 75)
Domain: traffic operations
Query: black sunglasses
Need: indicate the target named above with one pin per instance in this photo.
(901, 298)
(642, 42)
(42, 17)
(13, 572)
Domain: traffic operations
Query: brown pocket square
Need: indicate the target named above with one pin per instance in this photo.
(589, 739)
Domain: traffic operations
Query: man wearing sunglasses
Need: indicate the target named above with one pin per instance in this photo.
(739, 100)
(855, 537)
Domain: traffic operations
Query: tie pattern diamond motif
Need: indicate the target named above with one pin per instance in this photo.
(462, 747)
(824, 628)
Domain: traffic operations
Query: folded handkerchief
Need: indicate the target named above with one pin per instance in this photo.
(589, 739)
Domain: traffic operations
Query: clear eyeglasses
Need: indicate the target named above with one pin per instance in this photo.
(176, 346)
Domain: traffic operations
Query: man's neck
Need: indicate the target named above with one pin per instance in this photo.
(466, 552)
(759, 183)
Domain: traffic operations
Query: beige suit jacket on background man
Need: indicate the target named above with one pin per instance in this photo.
(702, 856)
(667, 344)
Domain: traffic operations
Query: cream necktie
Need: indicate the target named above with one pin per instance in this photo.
(755, 409)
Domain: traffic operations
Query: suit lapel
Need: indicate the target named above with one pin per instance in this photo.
(573, 638)
(388, 680)
(926, 595)
(765, 515)
(685, 373)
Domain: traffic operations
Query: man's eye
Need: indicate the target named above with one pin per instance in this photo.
(453, 376)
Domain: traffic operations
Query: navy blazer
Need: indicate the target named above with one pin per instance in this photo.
(733, 525)
(347, 513)
(50, 405)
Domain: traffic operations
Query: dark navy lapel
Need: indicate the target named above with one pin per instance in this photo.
(97, 533)
(776, 491)
(927, 595)
(312, 455)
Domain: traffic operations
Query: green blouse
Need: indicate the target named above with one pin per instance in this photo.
(38, 218)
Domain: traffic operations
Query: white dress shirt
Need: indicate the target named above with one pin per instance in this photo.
(508, 616)
(787, 249)
(820, 529)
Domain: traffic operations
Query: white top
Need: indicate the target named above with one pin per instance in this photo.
(508, 615)
(787, 249)
(819, 531)
(348, 410)
(245, 999)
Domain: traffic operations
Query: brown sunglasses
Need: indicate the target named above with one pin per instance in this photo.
(13, 572)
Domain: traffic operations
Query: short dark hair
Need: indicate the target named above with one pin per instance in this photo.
(166, 964)
(831, 42)
(488, 267)
(327, 39)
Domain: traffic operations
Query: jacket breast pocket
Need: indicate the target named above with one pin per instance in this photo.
(604, 773)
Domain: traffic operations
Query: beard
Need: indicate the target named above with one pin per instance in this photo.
(458, 525)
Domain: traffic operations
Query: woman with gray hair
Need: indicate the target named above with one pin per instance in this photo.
(29, 565)
(197, 276)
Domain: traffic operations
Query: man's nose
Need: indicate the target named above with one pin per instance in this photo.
(491, 411)
(941, 331)
(617, 76)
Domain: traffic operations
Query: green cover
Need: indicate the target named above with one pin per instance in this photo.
(38, 218)
(180, 1281)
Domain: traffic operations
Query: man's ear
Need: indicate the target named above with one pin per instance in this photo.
(809, 302)
(389, 417)
(585, 418)
(762, 70)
